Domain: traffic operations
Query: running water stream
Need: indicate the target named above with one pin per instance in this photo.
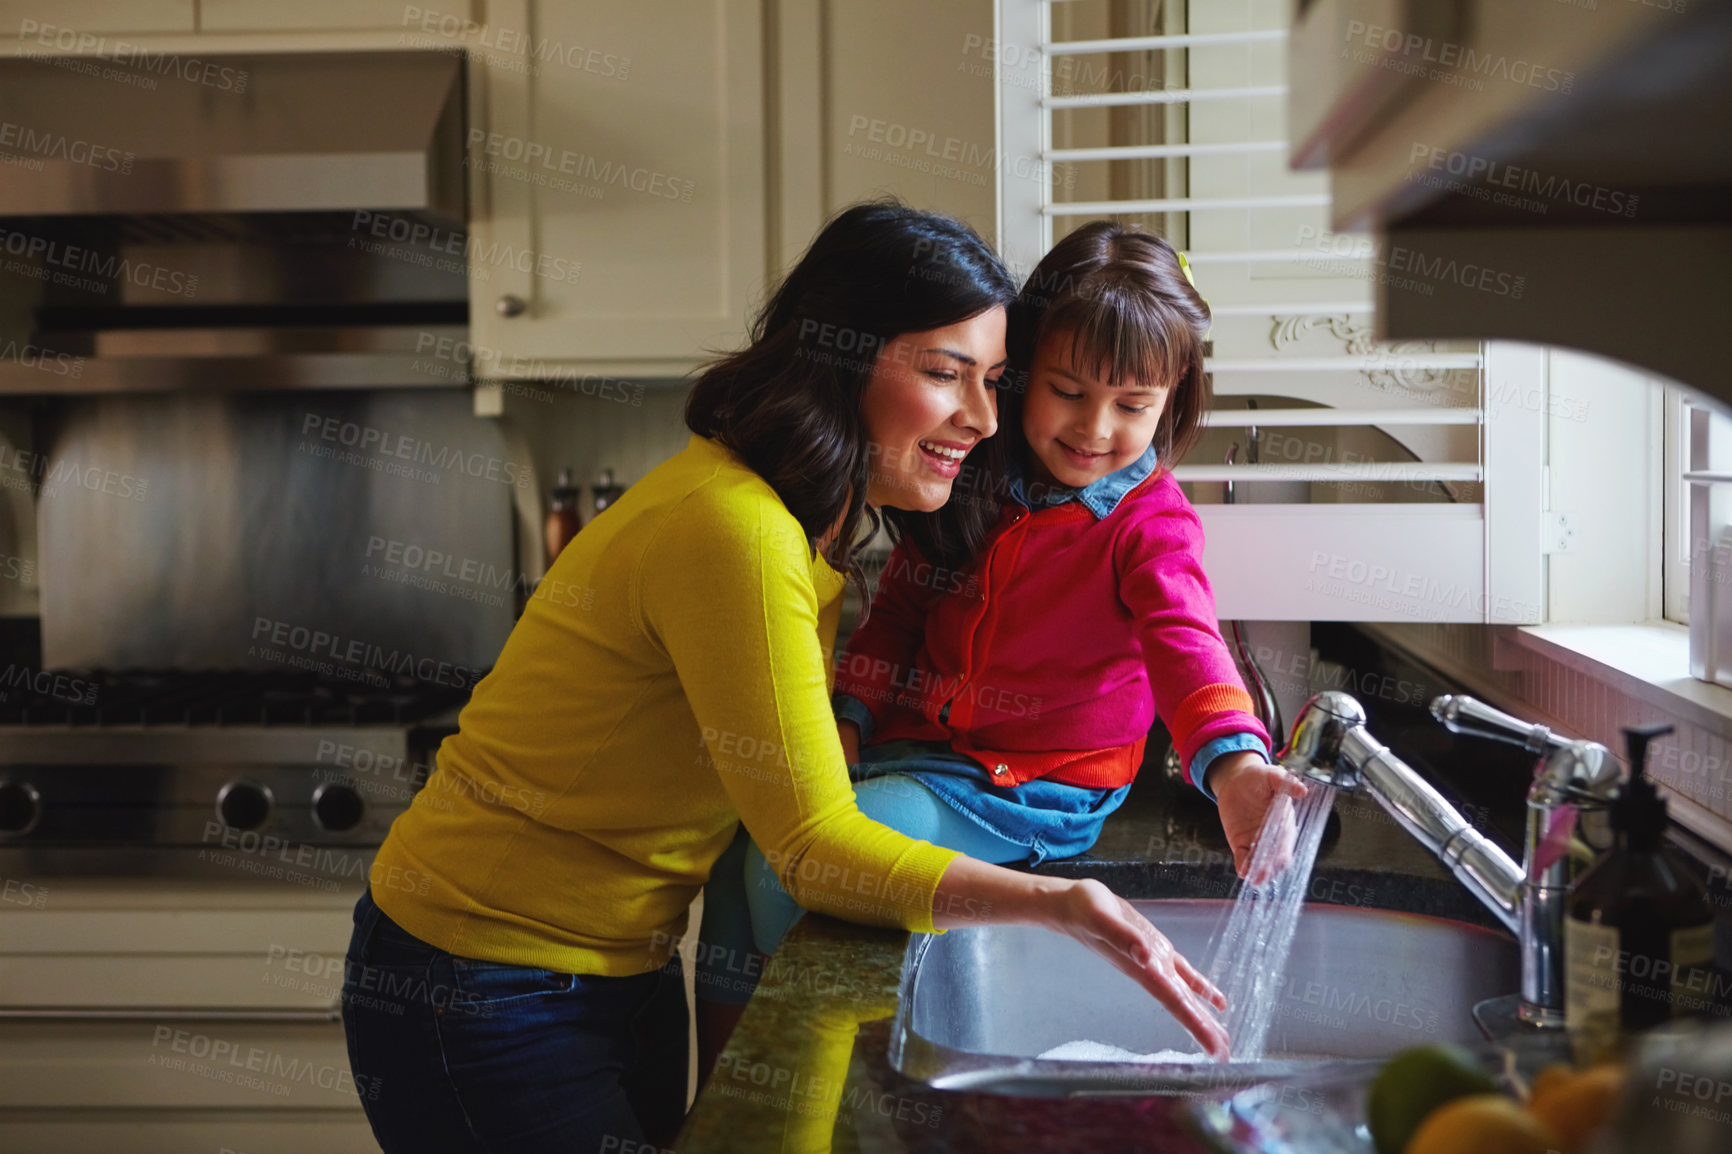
(1248, 954)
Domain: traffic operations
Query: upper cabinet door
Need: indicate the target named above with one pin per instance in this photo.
(617, 156)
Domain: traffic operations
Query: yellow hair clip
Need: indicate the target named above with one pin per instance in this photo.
(1185, 264)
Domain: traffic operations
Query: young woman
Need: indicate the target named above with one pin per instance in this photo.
(509, 984)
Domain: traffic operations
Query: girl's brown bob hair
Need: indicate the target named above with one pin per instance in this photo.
(1133, 315)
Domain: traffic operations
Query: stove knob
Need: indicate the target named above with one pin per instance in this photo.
(337, 808)
(244, 805)
(20, 808)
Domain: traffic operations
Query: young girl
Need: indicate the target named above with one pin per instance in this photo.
(997, 698)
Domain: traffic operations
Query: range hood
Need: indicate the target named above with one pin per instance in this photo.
(296, 222)
(302, 132)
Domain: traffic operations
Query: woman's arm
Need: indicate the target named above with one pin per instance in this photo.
(726, 590)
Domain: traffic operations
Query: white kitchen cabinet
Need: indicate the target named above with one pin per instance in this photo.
(177, 1064)
(252, 1088)
(91, 946)
(175, 1013)
(42, 26)
(618, 185)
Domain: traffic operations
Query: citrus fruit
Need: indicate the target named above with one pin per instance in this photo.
(1413, 1084)
(1576, 1106)
(1547, 1080)
(1483, 1124)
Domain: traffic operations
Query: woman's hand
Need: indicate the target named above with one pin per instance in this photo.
(1110, 926)
(973, 893)
(1245, 786)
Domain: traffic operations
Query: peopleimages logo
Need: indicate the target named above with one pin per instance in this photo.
(1411, 54)
(223, 1060)
(543, 161)
(101, 267)
(447, 250)
(58, 146)
(303, 647)
(89, 47)
(1424, 271)
(504, 47)
(370, 445)
(20, 569)
(45, 683)
(1387, 587)
(1546, 186)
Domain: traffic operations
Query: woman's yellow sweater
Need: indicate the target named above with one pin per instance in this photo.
(669, 678)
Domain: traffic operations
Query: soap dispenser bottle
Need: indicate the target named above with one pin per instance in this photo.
(1639, 936)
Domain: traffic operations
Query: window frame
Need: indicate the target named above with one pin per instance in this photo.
(1698, 437)
(1675, 510)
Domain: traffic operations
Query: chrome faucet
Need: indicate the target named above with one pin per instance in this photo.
(1330, 744)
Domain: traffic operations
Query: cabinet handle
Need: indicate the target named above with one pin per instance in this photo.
(511, 305)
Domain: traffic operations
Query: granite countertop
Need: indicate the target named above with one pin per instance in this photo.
(826, 1002)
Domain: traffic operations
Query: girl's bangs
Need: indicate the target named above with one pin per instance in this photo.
(1116, 335)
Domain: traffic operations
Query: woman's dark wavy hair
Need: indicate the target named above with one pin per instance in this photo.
(788, 404)
(1121, 293)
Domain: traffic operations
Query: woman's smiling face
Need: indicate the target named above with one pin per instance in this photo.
(1079, 428)
(929, 401)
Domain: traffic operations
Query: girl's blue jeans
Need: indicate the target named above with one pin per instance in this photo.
(457, 1056)
(747, 912)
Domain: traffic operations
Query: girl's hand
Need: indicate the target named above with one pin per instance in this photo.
(1110, 926)
(1245, 786)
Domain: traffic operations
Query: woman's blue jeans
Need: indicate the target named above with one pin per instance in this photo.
(472, 1057)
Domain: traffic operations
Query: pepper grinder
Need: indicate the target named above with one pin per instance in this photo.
(605, 491)
(563, 518)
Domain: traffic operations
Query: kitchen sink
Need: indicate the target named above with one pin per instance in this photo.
(978, 1006)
